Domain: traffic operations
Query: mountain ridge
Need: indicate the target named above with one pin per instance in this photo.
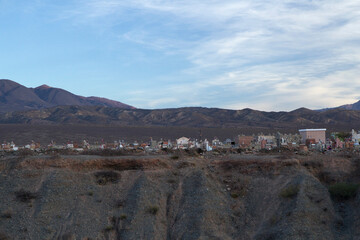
(197, 117)
(16, 97)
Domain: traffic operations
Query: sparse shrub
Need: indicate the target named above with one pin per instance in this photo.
(327, 177)
(153, 210)
(108, 228)
(105, 177)
(90, 193)
(234, 195)
(25, 196)
(290, 191)
(313, 164)
(343, 190)
(123, 217)
(175, 157)
(171, 180)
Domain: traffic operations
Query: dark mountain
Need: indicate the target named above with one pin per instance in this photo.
(354, 106)
(15, 97)
(187, 117)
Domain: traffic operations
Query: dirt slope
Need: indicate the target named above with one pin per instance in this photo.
(157, 197)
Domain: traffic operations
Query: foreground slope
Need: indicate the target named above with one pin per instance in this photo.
(158, 197)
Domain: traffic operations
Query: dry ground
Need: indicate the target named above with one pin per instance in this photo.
(178, 197)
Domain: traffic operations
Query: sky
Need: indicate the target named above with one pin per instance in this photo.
(276, 55)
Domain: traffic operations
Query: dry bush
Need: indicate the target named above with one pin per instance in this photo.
(175, 157)
(25, 196)
(312, 163)
(105, 177)
(343, 191)
(152, 210)
(289, 191)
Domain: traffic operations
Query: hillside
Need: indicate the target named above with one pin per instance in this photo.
(354, 106)
(186, 117)
(16, 97)
(159, 197)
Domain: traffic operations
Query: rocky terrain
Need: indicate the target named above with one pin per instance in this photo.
(180, 196)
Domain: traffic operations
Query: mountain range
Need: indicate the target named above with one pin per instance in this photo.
(47, 105)
(186, 117)
(16, 97)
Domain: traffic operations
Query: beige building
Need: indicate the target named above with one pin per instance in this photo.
(316, 134)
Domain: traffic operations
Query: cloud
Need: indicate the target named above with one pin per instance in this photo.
(274, 55)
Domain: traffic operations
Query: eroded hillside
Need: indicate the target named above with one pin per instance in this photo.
(178, 197)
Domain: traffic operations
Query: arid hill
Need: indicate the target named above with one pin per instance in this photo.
(16, 97)
(353, 106)
(186, 117)
(180, 197)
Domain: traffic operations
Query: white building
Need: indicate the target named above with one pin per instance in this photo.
(182, 142)
(355, 137)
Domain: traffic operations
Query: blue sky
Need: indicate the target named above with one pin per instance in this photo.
(267, 55)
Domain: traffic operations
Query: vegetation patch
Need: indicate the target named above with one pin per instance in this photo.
(108, 228)
(123, 217)
(234, 195)
(152, 210)
(343, 190)
(25, 196)
(290, 191)
(175, 157)
(105, 177)
(171, 180)
(312, 164)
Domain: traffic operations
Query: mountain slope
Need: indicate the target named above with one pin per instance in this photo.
(354, 106)
(15, 97)
(186, 117)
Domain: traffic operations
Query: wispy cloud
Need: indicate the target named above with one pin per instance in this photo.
(273, 55)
